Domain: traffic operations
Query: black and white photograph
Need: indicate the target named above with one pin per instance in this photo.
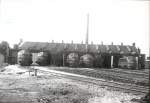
(74, 51)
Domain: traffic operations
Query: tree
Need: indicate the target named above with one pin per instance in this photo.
(4, 47)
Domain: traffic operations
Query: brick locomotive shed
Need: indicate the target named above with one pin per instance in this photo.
(110, 54)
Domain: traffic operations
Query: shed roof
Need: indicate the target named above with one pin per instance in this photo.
(71, 47)
(124, 49)
(113, 49)
(103, 49)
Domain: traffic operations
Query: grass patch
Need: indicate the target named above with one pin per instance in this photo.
(64, 93)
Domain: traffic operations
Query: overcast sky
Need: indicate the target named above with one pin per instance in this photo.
(114, 21)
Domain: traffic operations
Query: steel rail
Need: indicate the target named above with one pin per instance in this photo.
(137, 75)
(99, 74)
(121, 75)
(129, 88)
(128, 72)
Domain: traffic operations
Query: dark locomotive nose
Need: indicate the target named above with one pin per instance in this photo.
(86, 60)
(25, 58)
(43, 59)
(73, 60)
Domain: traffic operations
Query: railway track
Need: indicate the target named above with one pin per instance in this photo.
(116, 72)
(140, 74)
(115, 76)
(128, 88)
(120, 72)
(127, 76)
(134, 71)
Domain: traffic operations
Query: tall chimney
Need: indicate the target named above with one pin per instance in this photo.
(121, 44)
(72, 41)
(87, 32)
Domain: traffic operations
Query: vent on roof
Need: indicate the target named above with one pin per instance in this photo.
(72, 41)
(52, 41)
(139, 50)
(133, 44)
(101, 43)
(92, 42)
(121, 44)
(112, 43)
(81, 42)
(62, 41)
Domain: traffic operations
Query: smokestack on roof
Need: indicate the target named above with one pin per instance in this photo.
(92, 42)
(133, 44)
(81, 42)
(72, 42)
(101, 43)
(52, 41)
(62, 41)
(112, 43)
(139, 50)
(121, 44)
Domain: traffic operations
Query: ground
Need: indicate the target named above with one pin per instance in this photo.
(17, 86)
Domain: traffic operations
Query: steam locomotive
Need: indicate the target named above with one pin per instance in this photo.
(75, 60)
